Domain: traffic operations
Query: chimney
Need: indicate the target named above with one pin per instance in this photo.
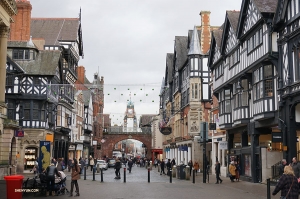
(205, 33)
(20, 29)
(81, 74)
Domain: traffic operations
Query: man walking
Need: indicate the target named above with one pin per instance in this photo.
(296, 167)
(162, 167)
(217, 170)
(281, 166)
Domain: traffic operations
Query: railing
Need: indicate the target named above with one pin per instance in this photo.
(275, 171)
(128, 130)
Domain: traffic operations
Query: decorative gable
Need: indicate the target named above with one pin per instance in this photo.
(231, 40)
(217, 54)
(252, 17)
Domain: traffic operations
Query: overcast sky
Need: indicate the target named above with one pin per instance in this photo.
(127, 42)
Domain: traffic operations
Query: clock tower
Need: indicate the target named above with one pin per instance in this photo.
(130, 113)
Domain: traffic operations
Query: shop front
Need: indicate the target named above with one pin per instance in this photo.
(79, 151)
(156, 153)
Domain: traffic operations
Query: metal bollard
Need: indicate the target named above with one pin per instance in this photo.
(149, 175)
(268, 189)
(194, 176)
(84, 170)
(170, 173)
(94, 170)
(102, 175)
(124, 174)
(98, 168)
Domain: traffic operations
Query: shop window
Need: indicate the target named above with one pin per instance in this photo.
(30, 157)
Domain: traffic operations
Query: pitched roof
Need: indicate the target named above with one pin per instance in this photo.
(218, 36)
(181, 51)
(266, 6)
(146, 119)
(45, 63)
(169, 65)
(54, 30)
(233, 17)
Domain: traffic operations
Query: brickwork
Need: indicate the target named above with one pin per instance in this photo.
(205, 35)
(20, 29)
(112, 139)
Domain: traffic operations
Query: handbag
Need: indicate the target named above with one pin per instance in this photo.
(284, 197)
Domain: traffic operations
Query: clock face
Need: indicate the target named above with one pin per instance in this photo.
(130, 111)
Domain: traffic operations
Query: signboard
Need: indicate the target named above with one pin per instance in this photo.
(44, 157)
(223, 145)
(79, 147)
(94, 142)
(166, 130)
(19, 133)
(212, 126)
(277, 137)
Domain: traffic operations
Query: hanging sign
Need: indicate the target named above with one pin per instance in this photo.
(277, 137)
(19, 133)
(166, 130)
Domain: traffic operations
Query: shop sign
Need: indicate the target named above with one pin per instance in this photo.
(277, 137)
(223, 145)
(166, 130)
(71, 147)
(79, 147)
(19, 133)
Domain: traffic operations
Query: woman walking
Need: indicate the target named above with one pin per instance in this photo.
(287, 184)
(75, 176)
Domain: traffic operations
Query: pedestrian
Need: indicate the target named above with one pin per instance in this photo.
(69, 164)
(281, 166)
(287, 184)
(51, 171)
(162, 167)
(218, 171)
(74, 177)
(63, 164)
(155, 162)
(173, 162)
(232, 170)
(91, 162)
(190, 164)
(296, 167)
(117, 168)
(82, 164)
(130, 164)
(237, 171)
(196, 167)
(169, 167)
(59, 165)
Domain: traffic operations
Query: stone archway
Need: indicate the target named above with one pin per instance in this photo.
(112, 139)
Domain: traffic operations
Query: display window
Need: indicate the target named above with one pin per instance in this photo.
(30, 157)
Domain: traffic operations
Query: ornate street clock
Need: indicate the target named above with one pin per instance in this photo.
(130, 113)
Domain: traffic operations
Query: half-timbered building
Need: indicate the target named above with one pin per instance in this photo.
(185, 93)
(287, 24)
(68, 39)
(245, 82)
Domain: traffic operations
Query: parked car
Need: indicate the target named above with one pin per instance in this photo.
(102, 164)
(111, 163)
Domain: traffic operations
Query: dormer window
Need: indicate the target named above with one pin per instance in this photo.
(23, 54)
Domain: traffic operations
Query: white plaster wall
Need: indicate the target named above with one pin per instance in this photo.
(268, 159)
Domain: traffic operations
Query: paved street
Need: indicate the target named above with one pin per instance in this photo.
(137, 187)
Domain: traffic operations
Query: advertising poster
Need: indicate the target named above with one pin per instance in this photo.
(247, 165)
(44, 157)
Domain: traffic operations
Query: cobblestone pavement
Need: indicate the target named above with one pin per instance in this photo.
(137, 187)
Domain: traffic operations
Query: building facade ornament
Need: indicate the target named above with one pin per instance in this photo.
(4, 31)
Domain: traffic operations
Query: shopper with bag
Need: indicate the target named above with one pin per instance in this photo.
(287, 184)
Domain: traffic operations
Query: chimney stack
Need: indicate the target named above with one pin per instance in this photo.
(205, 33)
(20, 29)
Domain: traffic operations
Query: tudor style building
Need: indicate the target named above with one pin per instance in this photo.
(286, 23)
(245, 82)
(185, 93)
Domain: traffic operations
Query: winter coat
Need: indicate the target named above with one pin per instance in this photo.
(196, 166)
(284, 184)
(75, 174)
(232, 169)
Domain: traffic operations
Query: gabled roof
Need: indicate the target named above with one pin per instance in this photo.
(169, 66)
(54, 30)
(280, 12)
(231, 20)
(86, 97)
(194, 43)
(146, 120)
(215, 44)
(45, 63)
(264, 7)
(181, 51)
(162, 88)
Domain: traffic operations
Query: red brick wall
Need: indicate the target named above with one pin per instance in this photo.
(205, 35)
(20, 29)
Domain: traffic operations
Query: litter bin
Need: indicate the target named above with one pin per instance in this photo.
(182, 171)
(12, 183)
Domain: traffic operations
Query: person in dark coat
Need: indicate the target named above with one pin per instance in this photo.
(117, 169)
(169, 167)
(162, 167)
(296, 167)
(51, 171)
(130, 164)
(281, 166)
(217, 170)
(287, 184)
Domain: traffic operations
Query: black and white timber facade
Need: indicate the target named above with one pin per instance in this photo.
(245, 81)
(287, 24)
